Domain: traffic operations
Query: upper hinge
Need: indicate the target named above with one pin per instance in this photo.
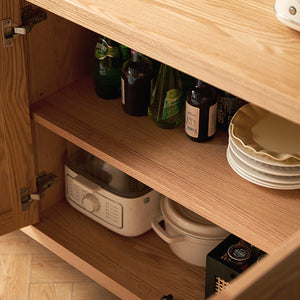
(43, 182)
(30, 17)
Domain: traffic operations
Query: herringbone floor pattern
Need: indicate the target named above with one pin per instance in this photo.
(29, 271)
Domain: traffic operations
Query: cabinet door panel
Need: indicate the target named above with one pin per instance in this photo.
(17, 161)
(7, 218)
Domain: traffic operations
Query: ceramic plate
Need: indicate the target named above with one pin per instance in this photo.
(254, 180)
(262, 167)
(266, 134)
(260, 157)
(263, 176)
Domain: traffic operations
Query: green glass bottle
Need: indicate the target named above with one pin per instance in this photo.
(125, 52)
(167, 103)
(107, 72)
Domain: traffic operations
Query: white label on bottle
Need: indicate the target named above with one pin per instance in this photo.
(123, 91)
(212, 120)
(192, 114)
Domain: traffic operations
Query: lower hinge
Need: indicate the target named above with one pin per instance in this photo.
(43, 182)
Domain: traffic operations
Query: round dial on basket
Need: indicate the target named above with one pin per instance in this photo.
(90, 203)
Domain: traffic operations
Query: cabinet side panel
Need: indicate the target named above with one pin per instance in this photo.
(58, 53)
(16, 123)
(50, 154)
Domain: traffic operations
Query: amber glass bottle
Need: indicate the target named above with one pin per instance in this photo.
(201, 112)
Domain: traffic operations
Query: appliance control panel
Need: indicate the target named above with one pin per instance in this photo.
(86, 195)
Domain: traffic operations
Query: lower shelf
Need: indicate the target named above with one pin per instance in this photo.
(132, 268)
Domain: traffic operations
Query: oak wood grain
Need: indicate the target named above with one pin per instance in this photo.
(91, 291)
(17, 242)
(5, 204)
(15, 122)
(50, 268)
(144, 265)
(7, 222)
(196, 175)
(29, 271)
(53, 291)
(58, 52)
(14, 276)
(50, 155)
(65, 251)
(236, 45)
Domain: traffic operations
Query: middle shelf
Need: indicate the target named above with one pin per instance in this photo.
(195, 175)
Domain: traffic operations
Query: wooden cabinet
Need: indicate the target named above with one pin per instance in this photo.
(48, 103)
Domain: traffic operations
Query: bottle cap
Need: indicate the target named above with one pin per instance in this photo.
(239, 254)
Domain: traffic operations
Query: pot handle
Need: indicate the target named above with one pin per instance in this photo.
(163, 234)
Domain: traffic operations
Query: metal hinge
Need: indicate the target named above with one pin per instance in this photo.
(30, 17)
(43, 182)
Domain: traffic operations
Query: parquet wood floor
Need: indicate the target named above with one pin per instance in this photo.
(29, 271)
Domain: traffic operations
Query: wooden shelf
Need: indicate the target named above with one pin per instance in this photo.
(144, 266)
(237, 45)
(195, 175)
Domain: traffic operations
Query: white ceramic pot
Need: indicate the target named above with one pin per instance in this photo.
(189, 236)
(288, 12)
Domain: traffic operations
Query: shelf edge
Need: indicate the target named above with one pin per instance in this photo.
(79, 263)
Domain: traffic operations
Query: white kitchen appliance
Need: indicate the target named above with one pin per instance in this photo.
(110, 197)
(288, 12)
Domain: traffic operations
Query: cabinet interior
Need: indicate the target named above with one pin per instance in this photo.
(65, 109)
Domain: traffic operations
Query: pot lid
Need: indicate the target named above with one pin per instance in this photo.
(189, 222)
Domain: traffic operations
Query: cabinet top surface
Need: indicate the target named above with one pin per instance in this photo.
(236, 45)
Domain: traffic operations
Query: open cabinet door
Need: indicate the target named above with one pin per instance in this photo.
(16, 151)
(275, 277)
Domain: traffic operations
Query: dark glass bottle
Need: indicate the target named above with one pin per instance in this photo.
(228, 105)
(125, 53)
(187, 82)
(167, 103)
(137, 74)
(201, 112)
(107, 73)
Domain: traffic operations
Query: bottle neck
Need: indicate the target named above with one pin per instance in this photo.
(199, 82)
(134, 55)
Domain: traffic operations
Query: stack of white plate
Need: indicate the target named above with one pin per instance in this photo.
(264, 148)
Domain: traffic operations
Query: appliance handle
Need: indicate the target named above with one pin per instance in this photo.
(163, 234)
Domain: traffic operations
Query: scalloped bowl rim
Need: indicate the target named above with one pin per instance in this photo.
(256, 148)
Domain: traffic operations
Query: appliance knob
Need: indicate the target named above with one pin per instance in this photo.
(90, 203)
(292, 10)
